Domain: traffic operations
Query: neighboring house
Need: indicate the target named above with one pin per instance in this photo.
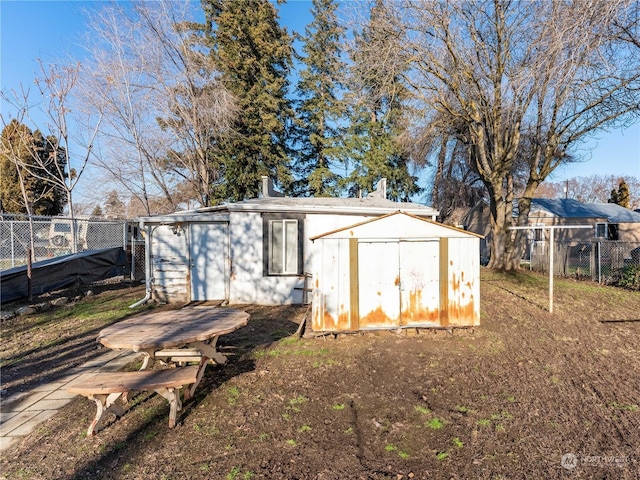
(395, 271)
(255, 251)
(610, 222)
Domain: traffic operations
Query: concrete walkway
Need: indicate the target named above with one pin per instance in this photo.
(21, 414)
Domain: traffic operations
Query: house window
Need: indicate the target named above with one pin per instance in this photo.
(282, 238)
(538, 233)
(607, 231)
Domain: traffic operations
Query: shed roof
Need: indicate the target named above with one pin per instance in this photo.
(570, 208)
(399, 218)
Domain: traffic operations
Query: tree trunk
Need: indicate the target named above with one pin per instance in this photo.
(509, 244)
(442, 156)
(499, 211)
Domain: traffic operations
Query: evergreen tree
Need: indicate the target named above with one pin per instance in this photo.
(623, 194)
(28, 157)
(97, 211)
(253, 54)
(114, 207)
(378, 123)
(620, 196)
(321, 111)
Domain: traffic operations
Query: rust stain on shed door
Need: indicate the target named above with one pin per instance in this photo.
(378, 285)
(420, 282)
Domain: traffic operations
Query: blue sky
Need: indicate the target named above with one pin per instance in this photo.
(53, 30)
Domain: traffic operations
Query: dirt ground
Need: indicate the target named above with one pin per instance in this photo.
(527, 395)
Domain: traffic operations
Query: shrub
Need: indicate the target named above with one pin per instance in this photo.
(630, 277)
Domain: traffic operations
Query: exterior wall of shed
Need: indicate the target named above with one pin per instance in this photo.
(332, 308)
(339, 305)
(460, 293)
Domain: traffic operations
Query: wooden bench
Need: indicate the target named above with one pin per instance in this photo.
(179, 355)
(105, 388)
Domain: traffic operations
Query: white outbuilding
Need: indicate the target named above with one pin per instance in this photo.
(395, 271)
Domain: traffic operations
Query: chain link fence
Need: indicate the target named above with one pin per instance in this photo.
(137, 250)
(56, 236)
(599, 261)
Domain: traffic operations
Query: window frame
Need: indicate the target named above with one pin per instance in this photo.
(539, 233)
(268, 220)
(611, 231)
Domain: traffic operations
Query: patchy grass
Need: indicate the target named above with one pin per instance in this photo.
(506, 400)
(56, 327)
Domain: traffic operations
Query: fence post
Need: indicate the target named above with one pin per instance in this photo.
(599, 264)
(133, 259)
(13, 247)
(551, 251)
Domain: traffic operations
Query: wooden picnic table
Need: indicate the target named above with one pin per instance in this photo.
(186, 334)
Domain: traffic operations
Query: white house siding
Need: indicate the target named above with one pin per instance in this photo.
(248, 284)
(170, 264)
(247, 281)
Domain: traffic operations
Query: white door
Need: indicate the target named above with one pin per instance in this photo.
(209, 260)
(378, 284)
(420, 282)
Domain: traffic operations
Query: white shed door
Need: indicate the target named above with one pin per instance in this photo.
(209, 250)
(378, 284)
(420, 282)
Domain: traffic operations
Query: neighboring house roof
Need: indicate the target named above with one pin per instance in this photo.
(570, 208)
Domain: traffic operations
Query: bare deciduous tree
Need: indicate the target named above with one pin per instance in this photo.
(57, 89)
(163, 103)
(522, 83)
(57, 111)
